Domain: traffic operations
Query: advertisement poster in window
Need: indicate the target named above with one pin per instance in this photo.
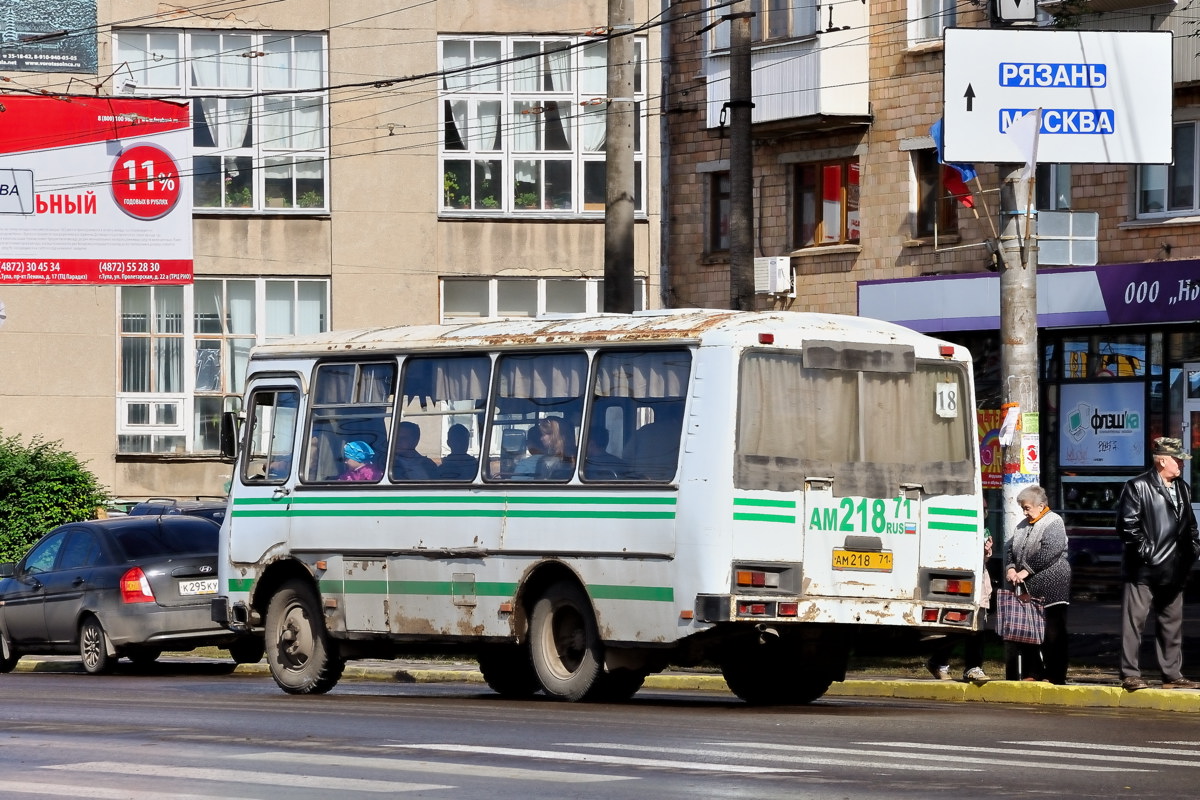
(95, 191)
(48, 36)
(1102, 425)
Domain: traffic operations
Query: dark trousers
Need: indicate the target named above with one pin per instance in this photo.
(972, 649)
(1139, 600)
(1045, 661)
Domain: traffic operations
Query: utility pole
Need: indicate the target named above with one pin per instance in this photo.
(1019, 336)
(618, 161)
(741, 161)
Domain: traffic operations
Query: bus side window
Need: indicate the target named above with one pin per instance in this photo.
(272, 432)
(535, 417)
(352, 405)
(437, 438)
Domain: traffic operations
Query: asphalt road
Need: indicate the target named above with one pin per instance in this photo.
(185, 732)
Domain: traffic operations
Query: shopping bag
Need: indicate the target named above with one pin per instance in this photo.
(1020, 617)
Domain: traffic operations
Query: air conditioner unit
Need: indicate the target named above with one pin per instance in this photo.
(773, 275)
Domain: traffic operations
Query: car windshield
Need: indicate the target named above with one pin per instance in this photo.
(194, 537)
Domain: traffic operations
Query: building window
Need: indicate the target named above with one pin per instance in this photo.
(936, 214)
(1053, 184)
(719, 208)
(773, 20)
(524, 125)
(826, 204)
(479, 298)
(1169, 189)
(928, 18)
(251, 153)
(176, 379)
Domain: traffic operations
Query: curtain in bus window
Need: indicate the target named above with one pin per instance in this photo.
(543, 376)
(444, 398)
(653, 374)
(792, 422)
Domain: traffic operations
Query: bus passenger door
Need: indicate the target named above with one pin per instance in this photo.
(262, 493)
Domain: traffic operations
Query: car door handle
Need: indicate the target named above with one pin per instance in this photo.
(78, 582)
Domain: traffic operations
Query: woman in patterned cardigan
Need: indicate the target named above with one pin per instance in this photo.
(1036, 555)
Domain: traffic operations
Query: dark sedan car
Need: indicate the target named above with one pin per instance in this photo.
(210, 508)
(124, 587)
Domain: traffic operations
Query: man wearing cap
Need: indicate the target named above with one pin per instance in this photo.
(1156, 522)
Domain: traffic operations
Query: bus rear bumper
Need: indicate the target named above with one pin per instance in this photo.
(715, 608)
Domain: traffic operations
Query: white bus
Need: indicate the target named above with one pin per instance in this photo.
(581, 501)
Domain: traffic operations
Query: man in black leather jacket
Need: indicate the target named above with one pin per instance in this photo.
(1156, 522)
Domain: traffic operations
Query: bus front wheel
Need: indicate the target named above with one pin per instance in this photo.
(564, 643)
(302, 656)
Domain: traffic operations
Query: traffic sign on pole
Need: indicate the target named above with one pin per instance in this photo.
(1105, 96)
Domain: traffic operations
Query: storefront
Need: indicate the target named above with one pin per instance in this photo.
(1119, 365)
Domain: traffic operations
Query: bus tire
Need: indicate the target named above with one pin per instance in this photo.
(774, 674)
(564, 643)
(302, 656)
(617, 686)
(508, 671)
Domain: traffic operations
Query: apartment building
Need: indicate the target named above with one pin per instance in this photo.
(352, 165)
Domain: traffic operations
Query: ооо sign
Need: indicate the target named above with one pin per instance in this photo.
(1105, 96)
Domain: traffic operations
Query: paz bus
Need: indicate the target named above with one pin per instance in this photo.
(579, 502)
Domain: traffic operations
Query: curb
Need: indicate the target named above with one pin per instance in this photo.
(997, 691)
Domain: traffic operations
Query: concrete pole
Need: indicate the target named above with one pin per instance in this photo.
(618, 162)
(1019, 333)
(741, 161)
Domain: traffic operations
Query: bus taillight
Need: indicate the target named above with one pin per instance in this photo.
(789, 609)
(952, 586)
(757, 579)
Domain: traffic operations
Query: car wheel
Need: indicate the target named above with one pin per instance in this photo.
(564, 643)
(248, 650)
(8, 656)
(93, 648)
(302, 655)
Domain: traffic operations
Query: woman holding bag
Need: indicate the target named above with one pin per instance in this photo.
(1036, 556)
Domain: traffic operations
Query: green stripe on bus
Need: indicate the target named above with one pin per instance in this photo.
(241, 584)
(763, 518)
(953, 512)
(654, 594)
(951, 526)
(462, 499)
(754, 501)
(564, 513)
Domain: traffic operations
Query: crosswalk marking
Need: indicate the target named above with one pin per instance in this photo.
(246, 776)
(592, 758)
(97, 792)
(800, 757)
(1041, 749)
(1125, 748)
(439, 767)
(949, 755)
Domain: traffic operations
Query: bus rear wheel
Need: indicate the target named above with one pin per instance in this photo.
(564, 643)
(775, 672)
(302, 656)
(508, 671)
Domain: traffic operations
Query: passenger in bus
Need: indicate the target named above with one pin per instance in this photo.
(459, 465)
(656, 446)
(547, 452)
(358, 456)
(407, 463)
(599, 464)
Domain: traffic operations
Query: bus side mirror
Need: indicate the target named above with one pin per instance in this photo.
(229, 435)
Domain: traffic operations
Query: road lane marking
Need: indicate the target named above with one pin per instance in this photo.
(280, 779)
(1043, 749)
(592, 758)
(947, 752)
(799, 758)
(1120, 748)
(438, 767)
(75, 791)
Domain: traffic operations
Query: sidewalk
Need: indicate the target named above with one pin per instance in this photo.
(1095, 640)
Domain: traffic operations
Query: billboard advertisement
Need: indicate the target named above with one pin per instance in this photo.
(1102, 424)
(48, 35)
(95, 190)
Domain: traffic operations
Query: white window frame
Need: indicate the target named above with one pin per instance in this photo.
(928, 18)
(289, 155)
(481, 103)
(773, 21)
(186, 399)
(593, 297)
(1163, 176)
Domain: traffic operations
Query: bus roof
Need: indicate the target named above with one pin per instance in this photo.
(674, 326)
